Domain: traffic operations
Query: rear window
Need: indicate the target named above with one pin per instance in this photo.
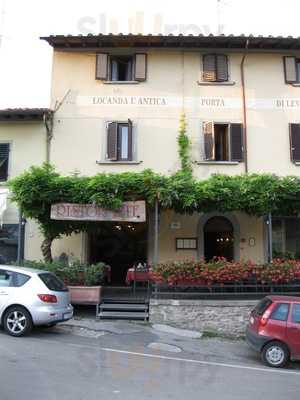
(281, 312)
(53, 282)
(262, 306)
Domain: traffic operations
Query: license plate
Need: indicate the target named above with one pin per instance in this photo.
(68, 315)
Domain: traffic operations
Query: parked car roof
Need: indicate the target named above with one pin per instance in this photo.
(15, 268)
(284, 298)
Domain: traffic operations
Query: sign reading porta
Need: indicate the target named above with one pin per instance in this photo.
(131, 211)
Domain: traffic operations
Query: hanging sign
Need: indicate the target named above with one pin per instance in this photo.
(131, 211)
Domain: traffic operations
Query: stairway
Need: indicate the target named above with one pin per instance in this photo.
(124, 309)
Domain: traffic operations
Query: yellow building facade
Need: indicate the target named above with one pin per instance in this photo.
(117, 101)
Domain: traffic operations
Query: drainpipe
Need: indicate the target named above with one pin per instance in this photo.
(270, 238)
(48, 121)
(244, 105)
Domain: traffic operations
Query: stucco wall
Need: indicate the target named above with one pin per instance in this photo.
(80, 126)
(249, 227)
(27, 147)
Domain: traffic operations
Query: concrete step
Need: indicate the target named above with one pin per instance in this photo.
(123, 306)
(132, 315)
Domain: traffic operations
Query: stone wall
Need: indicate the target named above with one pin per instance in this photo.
(228, 317)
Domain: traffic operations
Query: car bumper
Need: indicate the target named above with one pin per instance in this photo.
(47, 315)
(255, 340)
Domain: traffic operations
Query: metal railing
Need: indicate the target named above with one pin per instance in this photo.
(225, 291)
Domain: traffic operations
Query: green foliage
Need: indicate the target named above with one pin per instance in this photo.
(73, 274)
(184, 147)
(36, 189)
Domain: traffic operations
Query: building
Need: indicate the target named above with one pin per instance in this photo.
(118, 100)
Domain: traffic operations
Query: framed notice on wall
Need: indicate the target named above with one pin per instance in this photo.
(186, 243)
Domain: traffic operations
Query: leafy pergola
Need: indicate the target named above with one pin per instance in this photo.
(255, 194)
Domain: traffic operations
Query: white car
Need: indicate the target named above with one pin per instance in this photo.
(30, 297)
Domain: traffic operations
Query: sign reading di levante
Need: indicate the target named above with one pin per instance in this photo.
(131, 211)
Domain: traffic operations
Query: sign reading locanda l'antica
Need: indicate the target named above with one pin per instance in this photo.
(131, 211)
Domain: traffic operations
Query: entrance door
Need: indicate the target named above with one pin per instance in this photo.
(119, 245)
(218, 239)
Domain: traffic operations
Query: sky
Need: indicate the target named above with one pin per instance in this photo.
(26, 61)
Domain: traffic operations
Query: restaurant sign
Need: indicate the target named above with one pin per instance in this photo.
(131, 211)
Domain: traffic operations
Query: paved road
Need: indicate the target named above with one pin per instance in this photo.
(65, 364)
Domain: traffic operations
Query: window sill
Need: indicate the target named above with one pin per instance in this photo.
(218, 162)
(203, 83)
(297, 163)
(106, 162)
(121, 82)
(296, 84)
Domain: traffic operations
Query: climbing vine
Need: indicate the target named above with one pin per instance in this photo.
(184, 146)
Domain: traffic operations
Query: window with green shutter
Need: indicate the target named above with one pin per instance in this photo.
(4, 156)
(215, 68)
(119, 141)
(223, 142)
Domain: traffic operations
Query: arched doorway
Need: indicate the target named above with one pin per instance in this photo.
(218, 238)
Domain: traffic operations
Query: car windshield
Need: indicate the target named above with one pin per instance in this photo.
(53, 282)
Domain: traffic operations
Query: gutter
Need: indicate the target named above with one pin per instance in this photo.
(48, 122)
(244, 105)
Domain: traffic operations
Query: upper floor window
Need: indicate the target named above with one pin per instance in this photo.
(4, 155)
(121, 68)
(295, 142)
(291, 69)
(223, 142)
(119, 141)
(215, 68)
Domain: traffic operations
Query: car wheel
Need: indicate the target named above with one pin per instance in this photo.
(17, 321)
(275, 354)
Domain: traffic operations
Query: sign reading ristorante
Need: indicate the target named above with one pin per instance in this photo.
(131, 211)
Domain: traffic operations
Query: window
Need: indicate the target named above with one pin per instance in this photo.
(4, 155)
(119, 141)
(295, 142)
(286, 237)
(296, 314)
(281, 312)
(215, 68)
(53, 282)
(8, 243)
(121, 68)
(223, 142)
(5, 278)
(262, 306)
(291, 69)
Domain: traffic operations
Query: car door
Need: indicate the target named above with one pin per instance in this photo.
(6, 289)
(293, 330)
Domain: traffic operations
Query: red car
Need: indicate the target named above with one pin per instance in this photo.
(274, 329)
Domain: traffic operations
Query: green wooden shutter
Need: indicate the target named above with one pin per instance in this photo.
(209, 140)
(236, 142)
(222, 68)
(112, 141)
(102, 66)
(130, 141)
(140, 67)
(290, 70)
(295, 142)
(4, 155)
(209, 68)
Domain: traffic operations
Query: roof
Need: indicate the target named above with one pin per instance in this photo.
(96, 42)
(284, 298)
(23, 114)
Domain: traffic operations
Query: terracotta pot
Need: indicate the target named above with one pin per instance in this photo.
(85, 294)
